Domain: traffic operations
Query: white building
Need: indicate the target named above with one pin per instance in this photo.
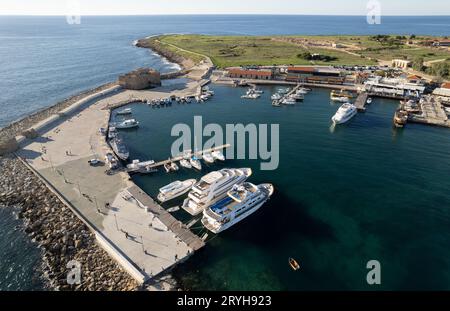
(401, 63)
(393, 87)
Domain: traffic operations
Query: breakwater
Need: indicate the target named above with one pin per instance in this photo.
(59, 233)
(18, 127)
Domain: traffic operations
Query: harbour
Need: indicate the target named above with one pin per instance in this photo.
(315, 211)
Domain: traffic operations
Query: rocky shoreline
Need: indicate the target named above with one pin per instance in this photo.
(155, 46)
(16, 128)
(59, 233)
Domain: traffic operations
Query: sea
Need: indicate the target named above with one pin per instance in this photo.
(344, 196)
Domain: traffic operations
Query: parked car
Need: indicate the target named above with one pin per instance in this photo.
(95, 162)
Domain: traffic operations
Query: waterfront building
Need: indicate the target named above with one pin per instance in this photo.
(393, 87)
(320, 75)
(443, 94)
(250, 74)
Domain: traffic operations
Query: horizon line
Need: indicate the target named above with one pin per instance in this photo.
(227, 14)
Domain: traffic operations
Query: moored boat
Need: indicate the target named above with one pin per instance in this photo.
(240, 202)
(344, 113)
(119, 148)
(127, 124)
(218, 155)
(125, 111)
(175, 189)
(185, 163)
(400, 118)
(195, 162)
(294, 264)
(212, 187)
(208, 158)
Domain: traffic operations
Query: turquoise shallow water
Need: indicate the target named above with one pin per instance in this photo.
(363, 191)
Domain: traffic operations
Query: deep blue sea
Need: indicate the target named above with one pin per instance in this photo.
(44, 60)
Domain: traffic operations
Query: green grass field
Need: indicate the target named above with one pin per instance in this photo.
(227, 51)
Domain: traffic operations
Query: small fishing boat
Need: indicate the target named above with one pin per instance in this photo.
(369, 100)
(195, 162)
(251, 96)
(400, 118)
(173, 209)
(288, 101)
(127, 124)
(297, 97)
(168, 167)
(218, 155)
(283, 90)
(303, 91)
(342, 93)
(338, 99)
(124, 111)
(276, 96)
(174, 166)
(208, 158)
(294, 264)
(185, 163)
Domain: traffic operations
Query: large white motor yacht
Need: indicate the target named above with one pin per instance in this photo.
(175, 189)
(212, 187)
(344, 113)
(240, 202)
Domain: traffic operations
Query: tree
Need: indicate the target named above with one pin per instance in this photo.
(417, 64)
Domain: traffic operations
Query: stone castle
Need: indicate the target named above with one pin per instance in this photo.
(140, 79)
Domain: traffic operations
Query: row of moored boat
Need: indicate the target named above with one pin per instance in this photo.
(224, 197)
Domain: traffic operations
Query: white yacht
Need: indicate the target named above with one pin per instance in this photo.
(251, 96)
(288, 101)
(175, 190)
(303, 91)
(283, 90)
(208, 158)
(185, 163)
(127, 124)
(297, 97)
(344, 113)
(124, 111)
(195, 162)
(218, 155)
(212, 187)
(340, 99)
(240, 202)
(276, 96)
(136, 164)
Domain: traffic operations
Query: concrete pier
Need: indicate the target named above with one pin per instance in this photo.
(138, 233)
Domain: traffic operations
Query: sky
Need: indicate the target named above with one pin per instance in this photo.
(152, 7)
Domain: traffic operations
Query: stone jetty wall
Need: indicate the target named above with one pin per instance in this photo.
(17, 128)
(60, 234)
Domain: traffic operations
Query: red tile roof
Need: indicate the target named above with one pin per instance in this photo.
(414, 77)
(445, 85)
(250, 72)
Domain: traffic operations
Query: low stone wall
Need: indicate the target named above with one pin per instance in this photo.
(17, 128)
(62, 236)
